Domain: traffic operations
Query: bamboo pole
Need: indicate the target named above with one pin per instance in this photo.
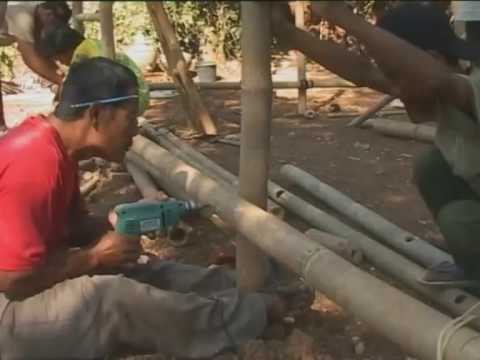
(106, 27)
(387, 99)
(196, 159)
(404, 130)
(191, 100)
(173, 189)
(236, 85)
(77, 9)
(177, 236)
(404, 242)
(302, 92)
(380, 113)
(342, 247)
(142, 180)
(455, 301)
(256, 41)
(413, 325)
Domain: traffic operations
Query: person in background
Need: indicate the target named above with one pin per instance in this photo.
(22, 23)
(416, 58)
(67, 46)
(25, 22)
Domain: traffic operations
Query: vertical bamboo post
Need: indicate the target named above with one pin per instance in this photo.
(302, 91)
(106, 26)
(256, 40)
(178, 70)
(77, 8)
(3, 9)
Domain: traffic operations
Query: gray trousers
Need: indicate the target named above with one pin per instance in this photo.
(179, 310)
(455, 206)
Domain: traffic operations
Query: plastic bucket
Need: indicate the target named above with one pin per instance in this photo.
(207, 71)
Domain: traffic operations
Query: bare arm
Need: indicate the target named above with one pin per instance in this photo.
(41, 66)
(111, 251)
(89, 230)
(63, 265)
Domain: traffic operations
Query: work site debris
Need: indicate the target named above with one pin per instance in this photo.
(361, 146)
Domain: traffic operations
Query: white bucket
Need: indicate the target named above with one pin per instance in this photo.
(207, 71)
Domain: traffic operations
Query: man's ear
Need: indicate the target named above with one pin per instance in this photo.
(95, 114)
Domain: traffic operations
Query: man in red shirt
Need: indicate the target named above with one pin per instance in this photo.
(56, 300)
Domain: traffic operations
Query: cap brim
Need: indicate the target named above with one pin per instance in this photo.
(463, 49)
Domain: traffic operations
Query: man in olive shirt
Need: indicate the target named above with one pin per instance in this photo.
(416, 55)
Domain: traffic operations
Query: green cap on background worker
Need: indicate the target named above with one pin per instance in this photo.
(68, 46)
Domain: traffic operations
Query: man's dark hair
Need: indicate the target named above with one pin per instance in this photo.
(59, 9)
(58, 40)
(50, 14)
(92, 80)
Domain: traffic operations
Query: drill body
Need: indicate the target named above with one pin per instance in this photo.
(148, 217)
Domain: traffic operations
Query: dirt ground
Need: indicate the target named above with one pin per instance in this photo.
(370, 168)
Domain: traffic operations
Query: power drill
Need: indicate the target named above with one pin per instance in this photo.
(147, 217)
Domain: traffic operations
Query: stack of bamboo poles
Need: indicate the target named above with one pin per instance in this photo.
(183, 172)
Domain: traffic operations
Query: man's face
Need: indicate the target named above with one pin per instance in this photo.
(115, 130)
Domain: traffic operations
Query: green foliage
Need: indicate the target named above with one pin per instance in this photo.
(207, 24)
(130, 19)
(200, 25)
(7, 55)
(365, 8)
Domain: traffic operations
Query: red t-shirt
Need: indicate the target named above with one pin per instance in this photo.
(38, 194)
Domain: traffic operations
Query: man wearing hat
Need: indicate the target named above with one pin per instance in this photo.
(416, 58)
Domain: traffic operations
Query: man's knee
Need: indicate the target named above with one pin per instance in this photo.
(425, 166)
(460, 220)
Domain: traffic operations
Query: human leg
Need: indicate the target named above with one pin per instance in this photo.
(455, 208)
(436, 182)
(90, 317)
(459, 223)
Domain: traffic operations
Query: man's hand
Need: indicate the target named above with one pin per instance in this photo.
(114, 250)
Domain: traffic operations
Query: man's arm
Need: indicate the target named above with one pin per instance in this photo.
(38, 64)
(86, 228)
(64, 265)
(418, 75)
(111, 251)
(89, 229)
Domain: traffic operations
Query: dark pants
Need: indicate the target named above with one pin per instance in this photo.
(472, 30)
(454, 206)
